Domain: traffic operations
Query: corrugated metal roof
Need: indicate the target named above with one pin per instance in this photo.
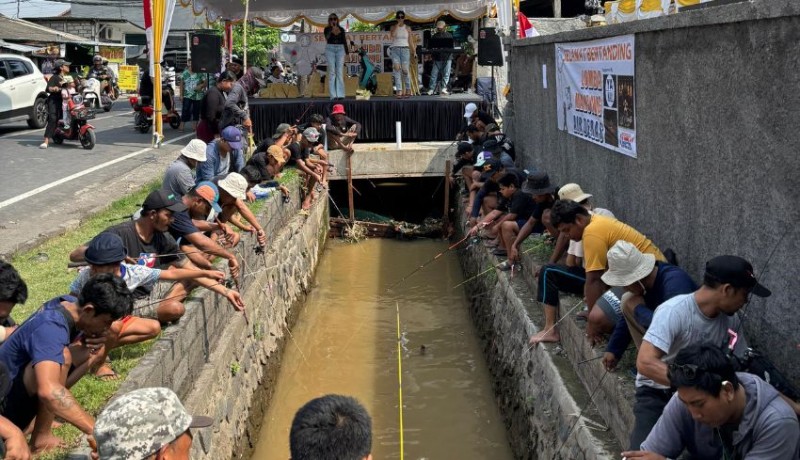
(21, 30)
(182, 18)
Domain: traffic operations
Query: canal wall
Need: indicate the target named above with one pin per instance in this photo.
(717, 167)
(541, 391)
(223, 366)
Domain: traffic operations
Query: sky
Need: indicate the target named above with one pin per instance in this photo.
(32, 8)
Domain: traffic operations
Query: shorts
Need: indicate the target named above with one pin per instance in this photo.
(520, 223)
(147, 307)
(611, 304)
(20, 407)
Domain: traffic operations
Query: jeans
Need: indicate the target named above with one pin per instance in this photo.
(554, 278)
(649, 405)
(443, 65)
(401, 59)
(334, 54)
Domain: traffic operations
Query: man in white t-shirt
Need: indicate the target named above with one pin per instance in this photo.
(704, 316)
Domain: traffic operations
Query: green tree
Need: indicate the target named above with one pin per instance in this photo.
(261, 41)
(358, 26)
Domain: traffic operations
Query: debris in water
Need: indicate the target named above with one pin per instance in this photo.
(422, 349)
(403, 341)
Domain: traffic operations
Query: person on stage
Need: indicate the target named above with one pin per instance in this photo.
(335, 52)
(442, 62)
(401, 55)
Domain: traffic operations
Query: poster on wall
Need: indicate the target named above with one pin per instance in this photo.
(308, 51)
(596, 90)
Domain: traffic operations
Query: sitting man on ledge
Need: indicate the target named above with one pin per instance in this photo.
(720, 413)
(342, 130)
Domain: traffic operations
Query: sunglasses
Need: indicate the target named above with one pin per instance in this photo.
(401, 17)
(333, 19)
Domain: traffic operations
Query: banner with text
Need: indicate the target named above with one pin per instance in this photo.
(596, 92)
(309, 51)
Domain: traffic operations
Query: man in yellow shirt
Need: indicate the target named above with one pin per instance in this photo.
(598, 234)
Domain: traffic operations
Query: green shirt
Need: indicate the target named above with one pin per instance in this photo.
(190, 82)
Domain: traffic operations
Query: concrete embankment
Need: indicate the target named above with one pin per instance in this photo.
(542, 391)
(219, 364)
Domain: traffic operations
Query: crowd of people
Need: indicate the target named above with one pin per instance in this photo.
(689, 394)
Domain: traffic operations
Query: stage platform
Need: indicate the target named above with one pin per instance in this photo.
(424, 118)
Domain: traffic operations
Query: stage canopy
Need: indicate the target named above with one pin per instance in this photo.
(280, 13)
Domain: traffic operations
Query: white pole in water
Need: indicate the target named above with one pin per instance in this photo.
(398, 132)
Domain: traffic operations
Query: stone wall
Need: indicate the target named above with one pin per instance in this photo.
(219, 364)
(717, 166)
(85, 29)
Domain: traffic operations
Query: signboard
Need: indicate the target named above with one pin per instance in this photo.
(128, 78)
(113, 53)
(596, 92)
(308, 51)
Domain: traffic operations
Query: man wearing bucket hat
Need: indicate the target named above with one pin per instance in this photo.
(232, 193)
(598, 234)
(341, 129)
(315, 170)
(223, 156)
(147, 424)
(704, 316)
(179, 177)
(648, 283)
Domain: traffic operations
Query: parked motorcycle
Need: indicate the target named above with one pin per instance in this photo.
(94, 96)
(79, 129)
(143, 115)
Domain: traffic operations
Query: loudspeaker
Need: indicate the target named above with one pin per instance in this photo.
(206, 52)
(489, 50)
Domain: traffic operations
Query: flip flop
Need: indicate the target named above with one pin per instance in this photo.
(105, 373)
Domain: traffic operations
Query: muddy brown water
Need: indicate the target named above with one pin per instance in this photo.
(345, 342)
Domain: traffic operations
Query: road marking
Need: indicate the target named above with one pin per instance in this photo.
(29, 131)
(64, 180)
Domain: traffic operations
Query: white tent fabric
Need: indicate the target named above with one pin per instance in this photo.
(280, 13)
(505, 15)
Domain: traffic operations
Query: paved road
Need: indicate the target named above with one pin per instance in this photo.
(70, 180)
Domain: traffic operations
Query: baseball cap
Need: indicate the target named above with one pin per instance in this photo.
(138, 424)
(105, 248)
(233, 137)
(161, 199)
(737, 272)
(210, 193)
(538, 183)
(483, 157)
(492, 146)
(282, 128)
(470, 109)
(258, 75)
(490, 167)
(573, 192)
(195, 149)
(626, 264)
(462, 148)
(276, 152)
(311, 134)
(61, 62)
(235, 184)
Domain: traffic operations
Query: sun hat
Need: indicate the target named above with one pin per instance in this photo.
(276, 152)
(482, 158)
(627, 265)
(311, 134)
(573, 192)
(470, 109)
(235, 184)
(338, 109)
(737, 272)
(105, 248)
(208, 191)
(138, 424)
(538, 183)
(195, 149)
(233, 137)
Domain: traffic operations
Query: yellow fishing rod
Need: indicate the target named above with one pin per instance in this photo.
(400, 377)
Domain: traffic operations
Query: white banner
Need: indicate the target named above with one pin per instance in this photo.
(596, 84)
(309, 50)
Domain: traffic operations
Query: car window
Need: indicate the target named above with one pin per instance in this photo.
(18, 68)
(3, 71)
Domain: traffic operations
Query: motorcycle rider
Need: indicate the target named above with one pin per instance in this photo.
(146, 91)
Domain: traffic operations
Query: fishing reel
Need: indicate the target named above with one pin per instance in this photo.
(259, 250)
(287, 199)
(228, 283)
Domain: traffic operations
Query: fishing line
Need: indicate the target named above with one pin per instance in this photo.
(488, 270)
(451, 247)
(532, 346)
(580, 414)
(598, 357)
(400, 377)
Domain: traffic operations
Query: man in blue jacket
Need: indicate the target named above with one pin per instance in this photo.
(223, 156)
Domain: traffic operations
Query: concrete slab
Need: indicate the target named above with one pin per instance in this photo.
(385, 160)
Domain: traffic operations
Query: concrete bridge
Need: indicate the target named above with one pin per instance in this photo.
(383, 161)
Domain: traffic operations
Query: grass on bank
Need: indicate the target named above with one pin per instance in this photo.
(44, 269)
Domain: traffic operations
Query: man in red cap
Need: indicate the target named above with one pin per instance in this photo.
(341, 129)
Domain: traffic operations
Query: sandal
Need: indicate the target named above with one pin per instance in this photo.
(105, 373)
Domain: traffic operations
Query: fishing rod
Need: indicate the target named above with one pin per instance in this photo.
(400, 377)
(450, 248)
(228, 283)
(598, 357)
(580, 414)
(487, 270)
(308, 107)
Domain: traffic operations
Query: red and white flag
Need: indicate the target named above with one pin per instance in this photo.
(526, 29)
